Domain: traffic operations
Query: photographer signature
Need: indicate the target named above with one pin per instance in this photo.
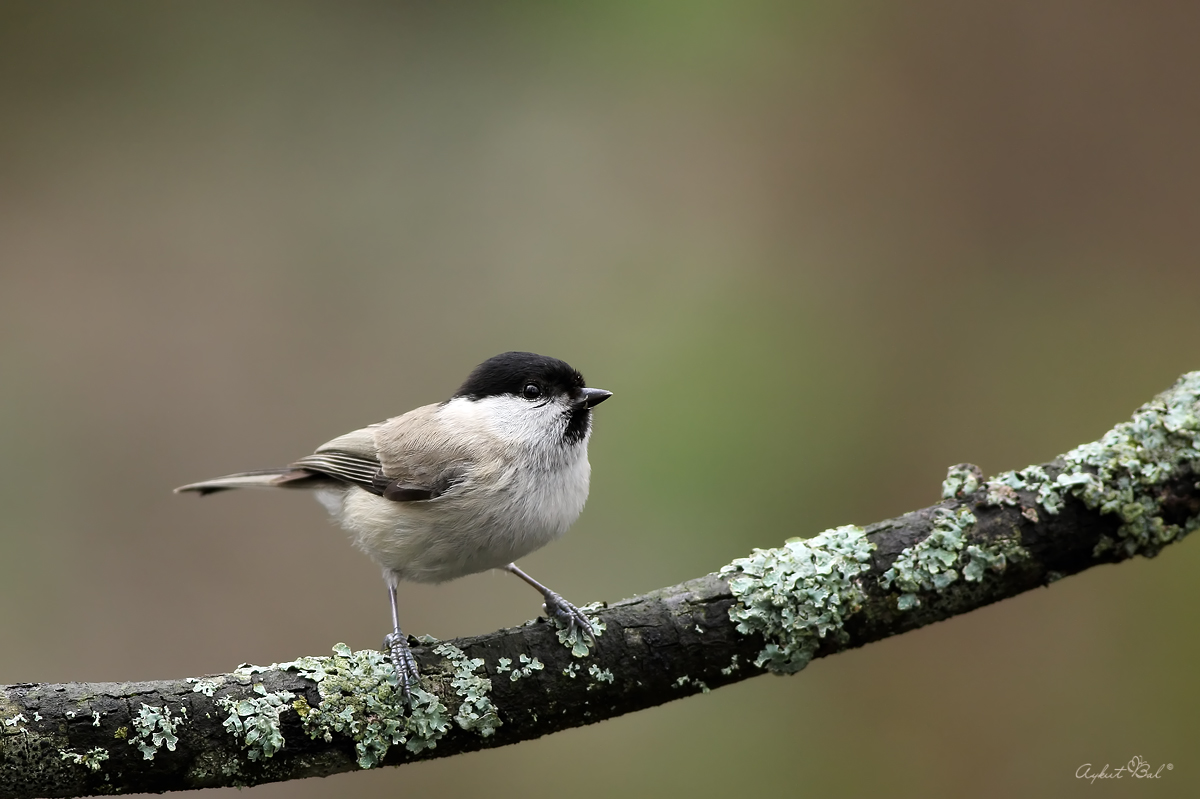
(1137, 768)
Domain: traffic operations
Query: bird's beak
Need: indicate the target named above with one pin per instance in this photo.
(591, 397)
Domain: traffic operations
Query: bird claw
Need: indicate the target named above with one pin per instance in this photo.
(407, 674)
(560, 609)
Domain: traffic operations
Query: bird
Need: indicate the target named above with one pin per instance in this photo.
(473, 483)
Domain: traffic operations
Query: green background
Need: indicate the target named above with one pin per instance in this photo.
(819, 252)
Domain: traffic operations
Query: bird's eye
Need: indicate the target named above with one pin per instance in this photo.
(531, 391)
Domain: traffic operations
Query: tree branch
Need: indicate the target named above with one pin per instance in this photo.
(1130, 493)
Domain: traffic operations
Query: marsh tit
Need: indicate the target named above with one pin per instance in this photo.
(492, 474)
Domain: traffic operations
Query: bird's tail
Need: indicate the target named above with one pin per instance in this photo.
(267, 478)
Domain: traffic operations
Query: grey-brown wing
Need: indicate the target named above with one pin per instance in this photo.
(419, 453)
(354, 458)
(346, 467)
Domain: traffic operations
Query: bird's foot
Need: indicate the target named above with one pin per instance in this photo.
(407, 674)
(566, 613)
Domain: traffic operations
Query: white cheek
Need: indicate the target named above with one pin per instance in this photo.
(507, 417)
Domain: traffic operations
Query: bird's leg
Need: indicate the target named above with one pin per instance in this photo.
(558, 607)
(396, 644)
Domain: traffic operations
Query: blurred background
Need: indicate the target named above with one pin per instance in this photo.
(819, 252)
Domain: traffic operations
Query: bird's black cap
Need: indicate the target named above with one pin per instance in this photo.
(510, 372)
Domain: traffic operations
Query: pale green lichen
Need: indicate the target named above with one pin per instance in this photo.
(15, 720)
(930, 564)
(155, 727)
(92, 758)
(1002, 489)
(529, 666)
(732, 667)
(575, 639)
(994, 556)
(1123, 473)
(960, 480)
(206, 686)
(255, 720)
(603, 675)
(798, 594)
(476, 711)
(944, 555)
(1000, 494)
(360, 699)
(683, 681)
(503, 665)
(571, 670)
